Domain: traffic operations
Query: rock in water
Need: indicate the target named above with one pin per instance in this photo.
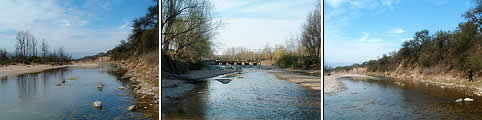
(121, 87)
(63, 81)
(58, 84)
(131, 108)
(97, 104)
(224, 81)
(468, 100)
(100, 85)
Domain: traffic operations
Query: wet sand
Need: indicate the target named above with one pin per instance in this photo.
(13, 70)
(308, 81)
(331, 84)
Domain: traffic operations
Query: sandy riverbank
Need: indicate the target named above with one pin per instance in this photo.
(308, 81)
(331, 84)
(13, 70)
(175, 86)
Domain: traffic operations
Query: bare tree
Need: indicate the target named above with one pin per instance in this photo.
(21, 46)
(33, 46)
(44, 48)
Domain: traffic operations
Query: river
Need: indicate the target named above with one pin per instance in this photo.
(396, 99)
(35, 96)
(255, 94)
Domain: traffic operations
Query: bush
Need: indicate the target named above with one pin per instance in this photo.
(303, 62)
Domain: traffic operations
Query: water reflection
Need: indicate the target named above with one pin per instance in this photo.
(405, 100)
(257, 95)
(37, 97)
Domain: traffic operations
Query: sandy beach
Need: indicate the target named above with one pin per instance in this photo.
(331, 84)
(310, 82)
(13, 70)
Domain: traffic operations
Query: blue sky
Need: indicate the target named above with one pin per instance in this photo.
(255, 23)
(360, 30)
(82, 27)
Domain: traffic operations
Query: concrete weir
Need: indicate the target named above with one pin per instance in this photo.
(232, 62)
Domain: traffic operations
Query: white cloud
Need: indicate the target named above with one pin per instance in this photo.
(397, 31)
(223, 5)
(254, 33)
(123, 26)
(59, 24)
(365, 38)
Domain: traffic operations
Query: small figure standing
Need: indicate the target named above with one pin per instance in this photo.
(470, 72)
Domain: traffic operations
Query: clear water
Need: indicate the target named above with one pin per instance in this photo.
(257, 95)
(384, 99)
(36, 97)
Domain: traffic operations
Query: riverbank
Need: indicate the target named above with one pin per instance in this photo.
(306, 78)
(175, 86)
(18, 69)
(143, 75)
(434, 76)
(449, 79)
(331, 84)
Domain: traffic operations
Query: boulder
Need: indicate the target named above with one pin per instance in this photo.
(58, 84)
(97, 104)
(63, 81)
(131, 108)
(353, 92)
(121, 87)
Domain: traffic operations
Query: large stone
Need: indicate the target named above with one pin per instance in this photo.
(121, 87)
(97, 104)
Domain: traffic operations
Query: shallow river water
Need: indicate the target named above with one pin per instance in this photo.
(35, 96)
(387, 99)
(256, 94)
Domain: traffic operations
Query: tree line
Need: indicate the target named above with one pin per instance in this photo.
(459, 49)
(27, 49)
(143, 39)
(303, 51)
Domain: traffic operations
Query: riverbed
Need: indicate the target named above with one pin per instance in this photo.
(397, 99)
(36, 96)
(254, 94)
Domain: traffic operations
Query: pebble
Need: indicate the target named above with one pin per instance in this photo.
(132, 107)
(97, 104)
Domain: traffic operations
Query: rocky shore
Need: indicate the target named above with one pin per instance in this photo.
(144, 81)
